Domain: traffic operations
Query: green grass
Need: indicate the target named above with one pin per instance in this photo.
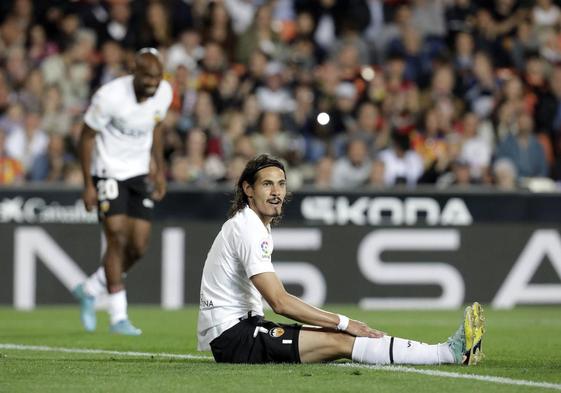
(523, 344)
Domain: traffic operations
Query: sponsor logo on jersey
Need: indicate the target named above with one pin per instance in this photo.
(120, 126)
(148, 203)
(276, 332)
(265, 249)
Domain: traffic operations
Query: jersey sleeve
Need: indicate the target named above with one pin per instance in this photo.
(167, 97)
(255, 253)
(98, 114)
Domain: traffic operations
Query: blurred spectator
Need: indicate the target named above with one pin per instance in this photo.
(459, 176)
(187, 51)
(120, 27)
(195, 167)
(71, 72)
(55, 119)
(505, 174)
(260, 35)
(112, 64)
(323, 173)
(273, 97)
(524, 150)
(271, 138)
(26, 143)
(401, 164)
(218, 28)
(376, 179)
(156, 31)
(11, 170)
(51, 166)
(352, 169)
(476, 152)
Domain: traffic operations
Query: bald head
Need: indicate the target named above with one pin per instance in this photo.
(148, 73)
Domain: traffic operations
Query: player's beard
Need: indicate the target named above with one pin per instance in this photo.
(277, 209)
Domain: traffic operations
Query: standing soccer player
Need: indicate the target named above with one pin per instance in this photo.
(123, 122)
(238, 272)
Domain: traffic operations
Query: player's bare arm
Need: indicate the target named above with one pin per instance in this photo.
(86, 145)
(285, 304)
(160, 184)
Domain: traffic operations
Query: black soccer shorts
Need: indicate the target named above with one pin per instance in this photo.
(256, 340)
(130, 197)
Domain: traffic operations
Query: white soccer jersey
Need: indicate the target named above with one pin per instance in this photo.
(124, 127)
(241, 250)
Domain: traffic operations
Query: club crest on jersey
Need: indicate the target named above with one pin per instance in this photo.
(276, 332)
(157, 117)
(265, 249)
(104, 206)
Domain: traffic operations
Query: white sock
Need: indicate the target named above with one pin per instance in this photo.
(394, 350)
(117, 307)
(96, 284)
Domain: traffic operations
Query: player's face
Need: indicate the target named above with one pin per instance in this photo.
(267, 194)
(148, 76)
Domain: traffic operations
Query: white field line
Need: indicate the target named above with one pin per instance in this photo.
(19, 347)
(448, 374)
(402, 369)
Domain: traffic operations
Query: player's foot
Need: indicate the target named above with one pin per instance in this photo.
(465, 344)
(87, 308)
(478, 332)
(125, 328)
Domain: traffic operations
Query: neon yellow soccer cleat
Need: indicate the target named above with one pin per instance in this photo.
(478, 319)
(465, 344)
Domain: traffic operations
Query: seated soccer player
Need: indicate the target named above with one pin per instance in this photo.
(238, 272)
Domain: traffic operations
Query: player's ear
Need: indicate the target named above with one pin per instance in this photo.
(247, 189)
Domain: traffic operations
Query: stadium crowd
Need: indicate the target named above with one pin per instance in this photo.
(349, 93)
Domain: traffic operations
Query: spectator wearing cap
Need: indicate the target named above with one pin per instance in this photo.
(274, 97)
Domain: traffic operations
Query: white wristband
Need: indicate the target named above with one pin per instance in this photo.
(343, 322)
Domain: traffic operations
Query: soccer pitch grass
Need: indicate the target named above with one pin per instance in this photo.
(46, 351)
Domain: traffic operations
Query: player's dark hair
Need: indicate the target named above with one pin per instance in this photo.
(249, 175)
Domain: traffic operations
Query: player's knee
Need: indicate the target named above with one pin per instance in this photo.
(136, 251)
(117, 241)
(343, 343)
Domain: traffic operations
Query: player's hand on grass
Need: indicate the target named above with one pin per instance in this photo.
(89, 196)
(160, 186)
(360, 329)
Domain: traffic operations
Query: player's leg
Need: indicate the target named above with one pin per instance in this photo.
(318, 345)
(137, 224)
(139, 210)
(116, 228)
(112, 199)
(137, 244)
(117, 232)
